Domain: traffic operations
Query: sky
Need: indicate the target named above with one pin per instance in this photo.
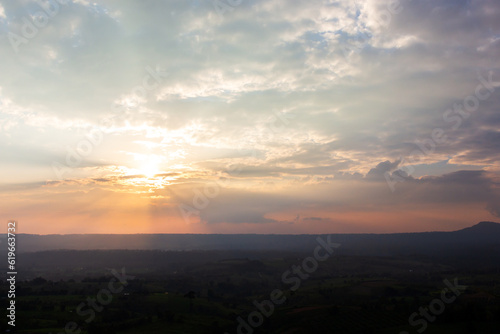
(249, 116)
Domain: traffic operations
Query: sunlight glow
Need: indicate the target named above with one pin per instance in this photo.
(149, 165)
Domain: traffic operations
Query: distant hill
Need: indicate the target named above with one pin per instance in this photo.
(482, 229)
(483, 233)
(478, 245)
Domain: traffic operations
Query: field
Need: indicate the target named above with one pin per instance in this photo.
(216, 293)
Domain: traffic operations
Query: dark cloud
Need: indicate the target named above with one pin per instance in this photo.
(378, 172)
(313, 219)
(494, 208)
(465, 177)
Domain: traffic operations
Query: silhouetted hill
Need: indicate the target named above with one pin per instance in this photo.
(482, 229)
(479, 241)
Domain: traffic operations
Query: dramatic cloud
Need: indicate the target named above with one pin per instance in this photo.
(267, 116)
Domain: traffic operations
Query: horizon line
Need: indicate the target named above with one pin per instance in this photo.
(64, 234)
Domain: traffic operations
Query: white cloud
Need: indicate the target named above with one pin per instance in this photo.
(228, 76)
(2, 12)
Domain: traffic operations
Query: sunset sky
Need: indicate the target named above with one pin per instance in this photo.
(249, 116)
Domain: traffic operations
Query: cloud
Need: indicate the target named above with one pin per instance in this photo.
(494, 208)
(381, 169)
(313, 218)
(240, 207)
(313, 103)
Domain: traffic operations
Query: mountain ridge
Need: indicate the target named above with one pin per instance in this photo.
(483, 234)
(480, 225)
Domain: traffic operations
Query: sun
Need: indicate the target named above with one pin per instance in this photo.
(149, 170)
(150, 166)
